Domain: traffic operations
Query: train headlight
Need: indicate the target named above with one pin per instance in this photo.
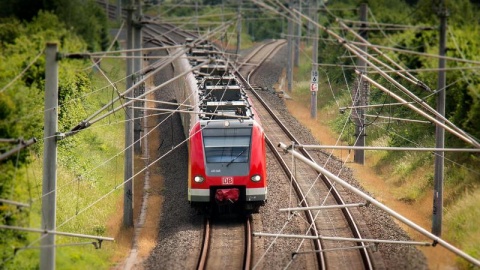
(256, 178)
(198, 179)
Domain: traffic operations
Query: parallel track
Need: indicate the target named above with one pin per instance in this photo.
(256, 58)
(327, 222)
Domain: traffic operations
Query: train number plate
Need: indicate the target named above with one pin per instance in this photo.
(227, 180)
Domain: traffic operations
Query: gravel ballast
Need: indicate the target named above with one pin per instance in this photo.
(180, 227)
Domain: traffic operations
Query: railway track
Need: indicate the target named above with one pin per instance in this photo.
(164, 31)
(250, 63)
(177, 250)
(154, 34)
(227, 244)
(224, 246)
(312, 189)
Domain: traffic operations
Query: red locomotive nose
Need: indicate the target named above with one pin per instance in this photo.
(224, 195)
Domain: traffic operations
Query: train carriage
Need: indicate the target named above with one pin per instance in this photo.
(227, 158)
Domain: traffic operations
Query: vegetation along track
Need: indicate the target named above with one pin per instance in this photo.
(335, 222)
(227, 244)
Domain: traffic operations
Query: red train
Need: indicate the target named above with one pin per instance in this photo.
(227, 158)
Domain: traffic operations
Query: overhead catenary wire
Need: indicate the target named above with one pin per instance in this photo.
(448, 58)
(406, 139)
(387, 37)
(118, 153)
(85, 123)
(43, 231)
(21, 144)
(381, 206)
(88, 121)
(356, 51)
(67, 220)
(95, 244)
(388, 24)
(78, 212)
(19, 204)
(463, 56)
(303, 198)
(111, 44)
(98, 166)
(34, 60)
(450, 129)
(105, 54)
(170, 81)
(398, 119)
(79, 98)
(373, 29)
(427, 149)
(410, 78)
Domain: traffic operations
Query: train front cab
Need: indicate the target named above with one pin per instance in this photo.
(227, 166)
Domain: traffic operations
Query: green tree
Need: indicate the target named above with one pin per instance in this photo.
(85, 18)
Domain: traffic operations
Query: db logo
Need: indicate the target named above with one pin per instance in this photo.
(227, 180)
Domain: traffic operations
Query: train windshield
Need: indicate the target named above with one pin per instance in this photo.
(227, 149)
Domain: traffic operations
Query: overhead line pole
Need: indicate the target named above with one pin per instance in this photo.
(137, 35)
(439, 130)
(361, 94)
(118, 13)
(129, 113)
(239, 29)
(289, 51)
(49, 183)
(298, 31)
(314, 75)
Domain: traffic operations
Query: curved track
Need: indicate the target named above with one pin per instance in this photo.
(252, 61)
(314, 189)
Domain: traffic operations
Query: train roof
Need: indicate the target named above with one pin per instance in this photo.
(220, 94)
(231, 123)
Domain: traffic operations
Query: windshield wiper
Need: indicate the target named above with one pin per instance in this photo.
(231, 161)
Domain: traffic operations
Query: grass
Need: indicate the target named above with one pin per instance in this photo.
(462, 219)
(87, 170)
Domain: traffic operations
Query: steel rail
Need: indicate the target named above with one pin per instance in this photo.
(317, 243)
(247, 260)
(251, 55)
(202, 262)
(280, 43)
